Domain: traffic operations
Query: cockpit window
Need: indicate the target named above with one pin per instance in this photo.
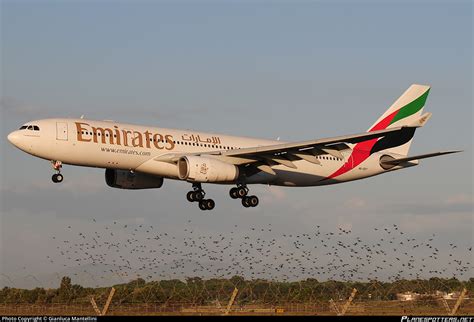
(30, 127)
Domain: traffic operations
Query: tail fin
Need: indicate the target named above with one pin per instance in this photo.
(406, 110)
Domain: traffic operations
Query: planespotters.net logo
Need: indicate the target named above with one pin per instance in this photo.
(437, 319)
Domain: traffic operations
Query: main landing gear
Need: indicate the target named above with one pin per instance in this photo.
(241, 192)
(197, 194)
(57, 177)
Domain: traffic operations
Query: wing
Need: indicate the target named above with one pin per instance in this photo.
(263, 157)
(328, 143)
(325, 146)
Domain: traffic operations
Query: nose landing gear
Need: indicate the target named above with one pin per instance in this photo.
(57, 177)
(241, 192)
(197, 194)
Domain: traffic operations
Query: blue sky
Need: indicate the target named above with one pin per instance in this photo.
(296, 70)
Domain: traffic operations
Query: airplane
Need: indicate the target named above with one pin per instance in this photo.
(141, 157)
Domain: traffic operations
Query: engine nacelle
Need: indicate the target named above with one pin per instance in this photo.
(386, 166)
(199, 169)
(124, 179)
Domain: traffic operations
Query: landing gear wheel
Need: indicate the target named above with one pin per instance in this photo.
(207, 204)
(250, 201)
(198, 195)
(57, 178)
(253, 201)
(202, 205)
(190, 196)
(241, 192)
(210, 204)
(233, 193)
(245, 202)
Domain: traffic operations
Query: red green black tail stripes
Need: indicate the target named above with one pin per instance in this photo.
(409, 109)
(363, 150)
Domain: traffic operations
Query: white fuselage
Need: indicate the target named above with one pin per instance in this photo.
(107, 144)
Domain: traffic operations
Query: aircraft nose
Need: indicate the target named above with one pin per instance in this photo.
(14, 137)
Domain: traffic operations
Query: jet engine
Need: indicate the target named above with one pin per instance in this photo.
(386, 157)
(200, 169)
(124, 179)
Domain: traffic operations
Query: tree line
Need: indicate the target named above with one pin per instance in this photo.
(200, 291)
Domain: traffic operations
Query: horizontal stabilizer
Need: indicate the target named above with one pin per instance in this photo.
(395, 162)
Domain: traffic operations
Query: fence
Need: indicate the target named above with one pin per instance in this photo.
(432, 307)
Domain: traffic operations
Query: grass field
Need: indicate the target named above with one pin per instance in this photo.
(356, 308)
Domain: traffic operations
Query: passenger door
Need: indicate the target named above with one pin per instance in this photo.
(61, 131)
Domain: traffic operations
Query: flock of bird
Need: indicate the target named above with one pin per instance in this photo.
(129, 251)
